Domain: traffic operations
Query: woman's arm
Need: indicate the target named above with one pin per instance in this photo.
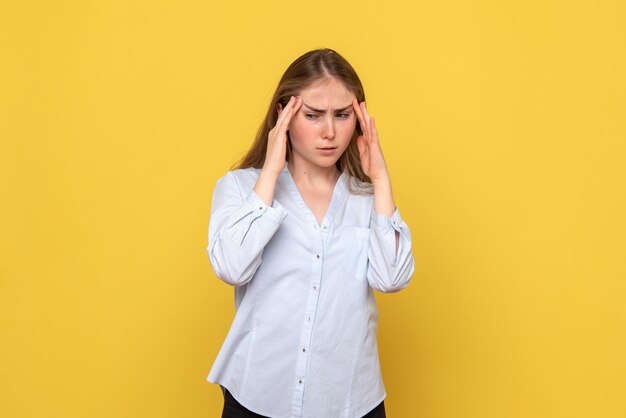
(276, 151)
(383, 201)
(241, 225)
(391, 263)
(373, 163)
(243, 222)
(390, 256)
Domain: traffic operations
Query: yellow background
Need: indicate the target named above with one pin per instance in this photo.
(503, 126)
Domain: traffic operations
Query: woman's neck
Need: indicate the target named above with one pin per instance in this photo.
(313, 176)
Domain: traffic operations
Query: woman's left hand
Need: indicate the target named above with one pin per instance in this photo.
(372, 160)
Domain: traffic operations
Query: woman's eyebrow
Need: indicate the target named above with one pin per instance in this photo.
(324, 110)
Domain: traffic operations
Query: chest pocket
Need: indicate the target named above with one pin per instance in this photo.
(353, 249)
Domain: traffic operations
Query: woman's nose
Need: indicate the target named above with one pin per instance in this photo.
(329, 129)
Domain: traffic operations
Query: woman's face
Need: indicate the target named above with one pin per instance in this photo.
(322, 128)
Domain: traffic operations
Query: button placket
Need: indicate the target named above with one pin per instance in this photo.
(307, 327)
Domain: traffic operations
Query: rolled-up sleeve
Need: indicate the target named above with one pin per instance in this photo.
(389, 270)
(240, 226)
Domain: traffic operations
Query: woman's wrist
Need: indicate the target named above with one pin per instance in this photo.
(382, 182)
(383, 197)
(270, 171)
(265, 185)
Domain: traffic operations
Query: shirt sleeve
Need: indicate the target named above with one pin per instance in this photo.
(240, 226)
(389, 270)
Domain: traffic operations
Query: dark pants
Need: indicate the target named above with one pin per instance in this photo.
(233, 409)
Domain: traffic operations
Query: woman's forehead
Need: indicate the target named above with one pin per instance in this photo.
(327, 93)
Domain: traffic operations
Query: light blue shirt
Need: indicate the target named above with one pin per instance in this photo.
(303, 340)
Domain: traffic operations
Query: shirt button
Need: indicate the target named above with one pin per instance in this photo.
(317, 255)
(308, 318)
(300, 381)
(314, 287)
(260, 207)
(303, 350)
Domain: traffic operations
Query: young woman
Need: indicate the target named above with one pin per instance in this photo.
(304, 229)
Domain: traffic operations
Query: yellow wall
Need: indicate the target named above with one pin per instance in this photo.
(503, 124)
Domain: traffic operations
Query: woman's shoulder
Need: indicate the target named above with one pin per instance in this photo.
(245, 173)
(242, 176)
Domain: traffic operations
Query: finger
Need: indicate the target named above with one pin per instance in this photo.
(374, 131)
(298, 104)
(285, 115)
(291, 111)
(359, 114)
(375, 141)
(284, 109)
(366, 115)
(281, 115)
(360, 143)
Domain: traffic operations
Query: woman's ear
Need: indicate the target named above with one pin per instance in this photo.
(279, 108)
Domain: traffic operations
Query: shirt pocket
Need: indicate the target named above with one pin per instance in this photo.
(353, 248)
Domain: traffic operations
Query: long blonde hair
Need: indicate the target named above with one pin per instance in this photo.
(304, 71)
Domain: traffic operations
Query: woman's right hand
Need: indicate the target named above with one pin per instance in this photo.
(277, 138)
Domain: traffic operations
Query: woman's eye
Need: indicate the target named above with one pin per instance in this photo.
(316, 116)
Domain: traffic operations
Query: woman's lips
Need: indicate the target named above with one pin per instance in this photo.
(327, 150)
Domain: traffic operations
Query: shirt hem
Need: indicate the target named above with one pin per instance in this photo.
(369, 409)
(238, 398)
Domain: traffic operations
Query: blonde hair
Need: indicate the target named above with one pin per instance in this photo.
(304, 71)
